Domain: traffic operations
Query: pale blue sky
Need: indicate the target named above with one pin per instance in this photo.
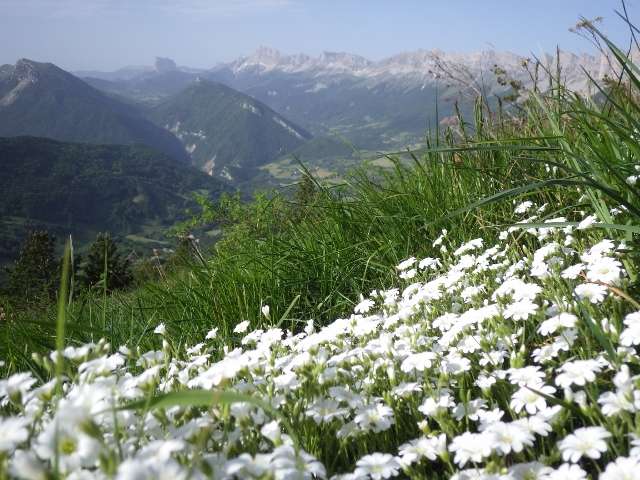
(108, 34)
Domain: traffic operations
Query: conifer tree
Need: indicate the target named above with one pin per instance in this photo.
(105, 262)
(35, 271)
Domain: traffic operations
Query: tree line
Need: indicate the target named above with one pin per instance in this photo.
(34, 276)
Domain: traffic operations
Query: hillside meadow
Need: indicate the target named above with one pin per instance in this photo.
(470, 313)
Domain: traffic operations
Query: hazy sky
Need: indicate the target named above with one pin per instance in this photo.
(108, 34)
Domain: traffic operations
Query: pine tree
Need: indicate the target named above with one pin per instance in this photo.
(104, 257)
(35, 271)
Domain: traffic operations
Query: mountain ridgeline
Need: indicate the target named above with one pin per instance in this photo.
(228, 134)
(374, 105)
(42, 100)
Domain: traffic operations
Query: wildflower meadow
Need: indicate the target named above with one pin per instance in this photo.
(489, 361)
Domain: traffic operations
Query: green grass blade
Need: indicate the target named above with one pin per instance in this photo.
(289, 308)
(61, 319)
(482, 147)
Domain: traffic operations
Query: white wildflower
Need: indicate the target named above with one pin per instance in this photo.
(418, 362)
(605, 270)
(241, 327)
(26, 466)
(572, 272)
(631, 334)
(587, 222)
(623, 468)
(578, 372)
(408, 274)
(520, 310)
(405, 264)
(584, 442)
(591, 291)
(523, 207)
(474, 447)
(471, 245)
(566, 471)
(377, 466)
(213, 333)
(376, 418)
(364, 306)
(509, 437)
(325, 410)
(424, 447)
(562, 320)
(527, 398)
(429, 263)
(15, 430)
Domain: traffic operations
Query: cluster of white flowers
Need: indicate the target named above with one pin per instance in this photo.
(509, 361)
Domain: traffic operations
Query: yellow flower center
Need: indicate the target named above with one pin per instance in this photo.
(67, 446)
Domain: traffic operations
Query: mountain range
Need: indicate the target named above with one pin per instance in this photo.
(238, 118)
(420, 64)
(375, 105)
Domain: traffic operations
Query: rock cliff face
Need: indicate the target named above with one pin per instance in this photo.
(23, 75)
(163, 65)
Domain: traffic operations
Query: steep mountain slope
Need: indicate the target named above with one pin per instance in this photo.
(80, 188)
(227, 133)
(43, 100)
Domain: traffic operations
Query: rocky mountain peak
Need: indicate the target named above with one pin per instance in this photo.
(345, 60)
(27, 70)
(266, 55)
(19, 78)
(163, 65)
